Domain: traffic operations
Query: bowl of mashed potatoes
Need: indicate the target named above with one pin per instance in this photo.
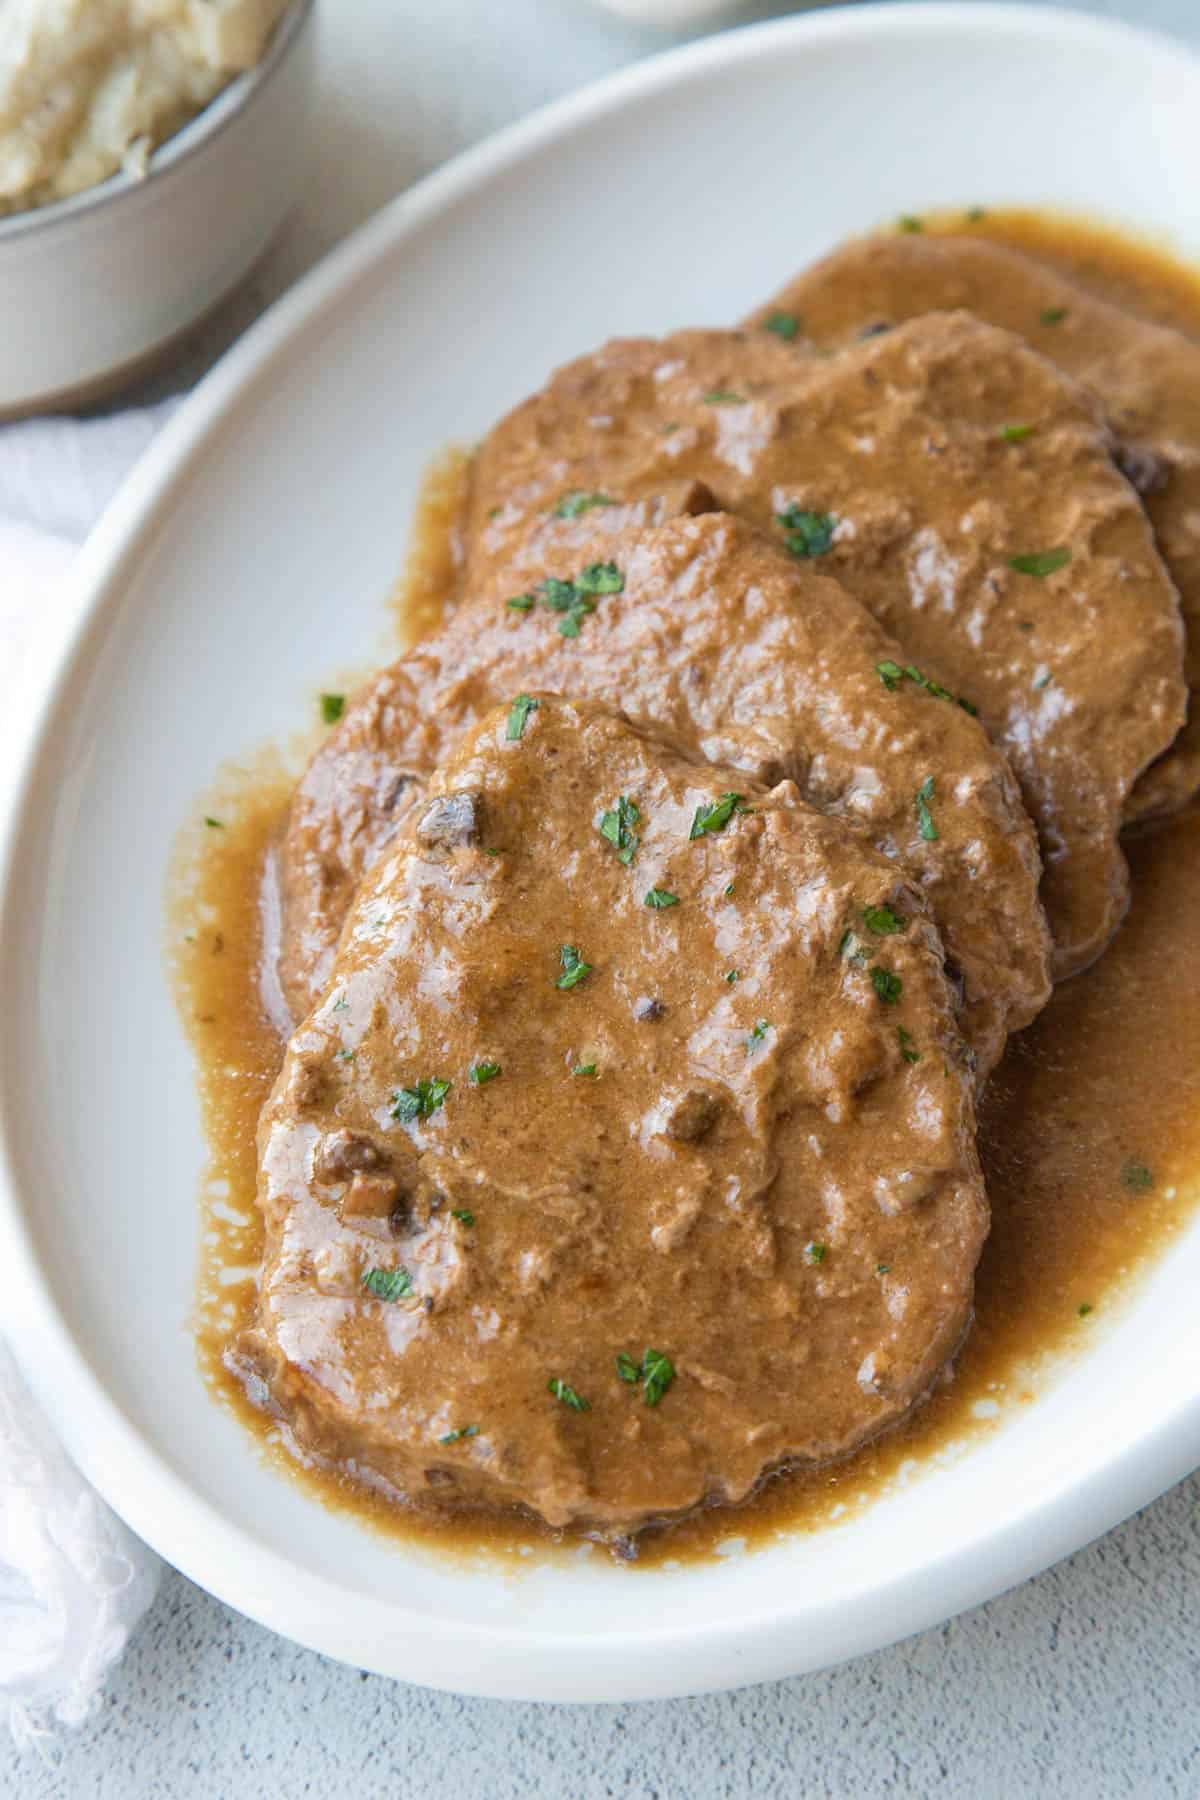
(149, 150)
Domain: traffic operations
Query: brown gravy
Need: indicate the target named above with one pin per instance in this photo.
(1092, 1154)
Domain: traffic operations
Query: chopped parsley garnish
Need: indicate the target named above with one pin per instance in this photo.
(889, 987)
(388, 1284)
(578, 501)
(1052, 315)
(345, 1055)
(892, 675)
(332, 707)
(572, 600)
(975, 213)
(1043, 681)
(518, 713)
(585, 1069)
(784, 324)
(732, 976)
(599, 578)
(806, 534)
(658, 898)
(908, 1049)
(883, 921)
(729, 889)
(656, 1372)
(574, 969)
(1016, 434)
(815, 1253)
(464, 1431)
(617, 828)
(463, 1216)
(483, 1072)
(419, 1102)
(909, 222)
(1040, 562)
(715, 815)
(1085, 1309)
(925, 824)
(724, 397)
(757, 1036)
(214, 824)
(883, 1268)
(568, 1396)
(1136, 1176)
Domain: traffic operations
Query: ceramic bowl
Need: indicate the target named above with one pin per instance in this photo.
(95, 288)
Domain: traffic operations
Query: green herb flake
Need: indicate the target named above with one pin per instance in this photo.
(463, 1216)
(1016, 434)
(715, 815)
(925, 825)
(1136, 1176)
(518, 713)
(388, 1284)
(419, 1102)
(578, 501)
(806, 534)
(732, 976)
(568, 1396)
(883, 1268)
(658, 899)
(332, 707)
(815, 1253)
(908, 1049)
(656, 1372)
(729, 889)
(572, 600)
(909, 222)
(587, 1069)
(757, 1036)
(724, 397)
(214, 824)
(892, 676)
(1040, 563)
(883, 921)
(1085, 1309)
(889, 987)
(1052, 315)
(599, 578)
(345, 1055)
(574, 969)
(617, 828)
(1043, 681)
(483, 1072)
(785, 325)
(975, 213)
(455, 1437)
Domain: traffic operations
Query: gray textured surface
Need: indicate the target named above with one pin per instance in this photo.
(1084, 1682)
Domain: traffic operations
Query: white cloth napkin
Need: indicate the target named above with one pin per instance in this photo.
(74, 1582)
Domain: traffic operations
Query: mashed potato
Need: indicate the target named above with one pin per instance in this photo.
(91, 86)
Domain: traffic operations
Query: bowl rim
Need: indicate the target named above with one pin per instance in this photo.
(189, 141)
(744, 1646)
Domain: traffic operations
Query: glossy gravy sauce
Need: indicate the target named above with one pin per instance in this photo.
(1090, 1140)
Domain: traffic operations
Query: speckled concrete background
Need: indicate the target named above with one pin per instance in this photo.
(1085, 1682)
